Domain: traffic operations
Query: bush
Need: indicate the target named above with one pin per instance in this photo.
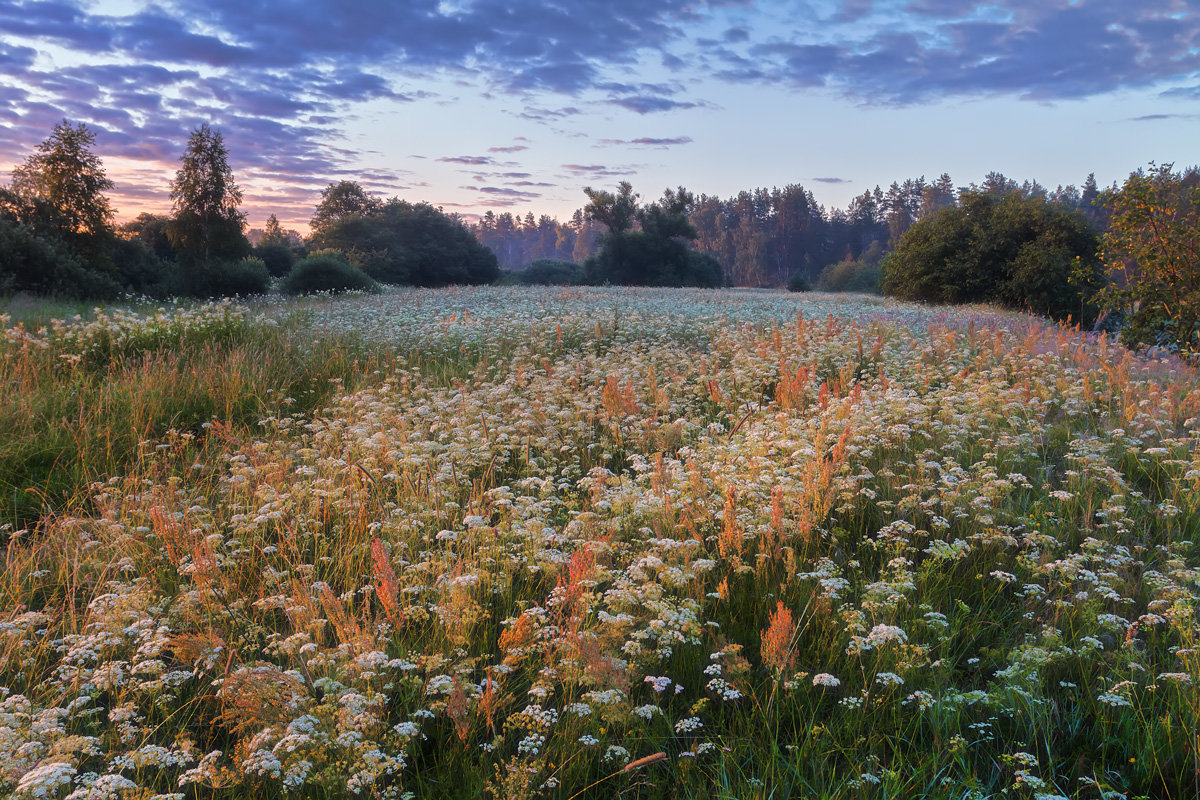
(42, 265)
(656, 255)
(1005, 248)
(278, 257)
(850, 276)
(137, 266)
(406, 243)
(550, 272)
(799, 282)
(642, 258)
(221, 279)
(327, 271)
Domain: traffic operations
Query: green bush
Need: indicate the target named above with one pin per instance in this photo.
(137, 266)
(1150, 251)
(221, 279)
(799, 282)
(1005, 248)
(42, 265)
(550, 272)
(405, 243)
(327, 271)
(644, 258)
(850, 276)
(278, 257)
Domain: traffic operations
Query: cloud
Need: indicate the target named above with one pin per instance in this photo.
(833, 180)
(655, 142)
(854, 10)
(1185, 92)
(281, 78)
(470, 160)
(648, 104)
(1160, 117)
(15, 57)
(649, 141)
(595, 171)
(504, 191)
(1028, 48)
(539, 114)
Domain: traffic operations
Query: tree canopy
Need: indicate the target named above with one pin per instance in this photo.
(998, 245)
(207, 224)
(400, 242)
(339, 202)
(70, 178)
(615, 211)
(655, 255)
(1152, 253)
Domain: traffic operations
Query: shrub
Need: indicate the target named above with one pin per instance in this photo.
(1005, 248)
(137, 267)
(221, 279)
(850, 276)
(656, 255)
(1150, 251)
(799, 282)
(550, 272)
(43, 265)
(406, 243)
(327, 271)
(278, 257)
(642, 258)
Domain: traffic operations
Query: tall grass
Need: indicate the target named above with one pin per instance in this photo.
(619, 543)
(92, 398)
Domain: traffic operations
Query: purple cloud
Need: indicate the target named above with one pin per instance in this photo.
(469, 160)
(277, 76)
(594, 171)
(504, 191)
(647, 104)
(1029, 48)
(650, 141)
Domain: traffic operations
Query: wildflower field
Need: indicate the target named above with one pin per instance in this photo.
(537, 543)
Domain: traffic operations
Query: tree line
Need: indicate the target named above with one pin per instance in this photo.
(1128, 256)
(58, 237)
(767, 237)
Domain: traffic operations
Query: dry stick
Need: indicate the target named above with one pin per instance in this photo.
(743, 419)
(641, 762)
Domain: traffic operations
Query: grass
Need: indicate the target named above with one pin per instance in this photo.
(519, 542)
(87, 401)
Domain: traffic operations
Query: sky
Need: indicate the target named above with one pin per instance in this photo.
(516, 105)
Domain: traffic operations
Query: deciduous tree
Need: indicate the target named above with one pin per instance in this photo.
(998, 247)
(70, 178)
(207, 224)
(1152, 253)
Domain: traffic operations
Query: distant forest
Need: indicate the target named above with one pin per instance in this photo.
(768, 237)
(1124, 258)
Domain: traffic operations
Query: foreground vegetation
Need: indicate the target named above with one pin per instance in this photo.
(578, 543)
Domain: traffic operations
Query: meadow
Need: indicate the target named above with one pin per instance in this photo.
(551, 543)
